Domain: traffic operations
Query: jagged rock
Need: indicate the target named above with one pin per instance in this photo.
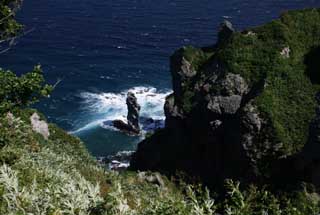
(124, 127)
(228, 99)
(226, 30)
(181, 70)
(39, 126)
(233, 84)
(133, 111)
(229, 117)
(172, 112)
(132, 127)
(251, 124)
(224, 105)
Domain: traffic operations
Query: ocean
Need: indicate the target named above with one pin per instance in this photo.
(101, 49)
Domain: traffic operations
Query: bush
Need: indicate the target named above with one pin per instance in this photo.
(21, 91)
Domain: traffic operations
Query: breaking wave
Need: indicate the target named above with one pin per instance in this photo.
(110, 106)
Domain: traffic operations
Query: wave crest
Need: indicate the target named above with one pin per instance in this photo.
(111, 106)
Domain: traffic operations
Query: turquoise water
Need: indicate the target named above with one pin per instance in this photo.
(101, 49)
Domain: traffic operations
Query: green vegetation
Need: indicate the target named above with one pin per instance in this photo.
(21, 91)
(197, 58)
(57, 176)
(8, 25)
(277, 55)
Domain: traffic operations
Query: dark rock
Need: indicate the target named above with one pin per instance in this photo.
(308, 162)
(224, 104)
(119, 161)
(172, 112)
(181, 70)
(133, 111)
(125, 127)
(203, 143)
(132, 127)
(228, 129)
(150, 125)
(226, 30)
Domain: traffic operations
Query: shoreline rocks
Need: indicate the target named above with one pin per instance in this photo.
(118, 162)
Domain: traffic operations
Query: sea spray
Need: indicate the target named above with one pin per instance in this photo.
(112, 106)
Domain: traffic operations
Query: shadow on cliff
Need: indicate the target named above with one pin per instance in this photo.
(312, 62)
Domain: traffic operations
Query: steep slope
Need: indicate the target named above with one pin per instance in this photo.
(242, 106)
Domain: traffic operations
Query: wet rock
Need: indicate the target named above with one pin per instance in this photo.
(131, 127)
(117, 162)
(133, 111)
(124, 127)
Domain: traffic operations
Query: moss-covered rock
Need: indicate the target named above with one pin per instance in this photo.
(242, 105)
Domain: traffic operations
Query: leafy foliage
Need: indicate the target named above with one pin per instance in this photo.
(8, 25)
(21, 91)
(282, 56)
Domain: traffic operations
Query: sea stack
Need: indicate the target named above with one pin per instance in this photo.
(132, 126)
(133, 112)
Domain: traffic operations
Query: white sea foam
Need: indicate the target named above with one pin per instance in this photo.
(111, 106)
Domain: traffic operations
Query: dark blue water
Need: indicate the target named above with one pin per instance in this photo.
(102, 48)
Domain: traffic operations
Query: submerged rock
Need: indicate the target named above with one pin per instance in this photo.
(118, 162)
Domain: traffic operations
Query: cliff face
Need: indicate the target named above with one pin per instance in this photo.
(243, 106)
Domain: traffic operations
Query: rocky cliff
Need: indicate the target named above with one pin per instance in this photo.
(243, 107)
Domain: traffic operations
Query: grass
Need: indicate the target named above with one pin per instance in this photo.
(288, 100)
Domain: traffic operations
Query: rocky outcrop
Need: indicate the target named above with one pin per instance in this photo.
(240, 109)
(132, 126)
(226, 30)
(205, 141)
(133, 112)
